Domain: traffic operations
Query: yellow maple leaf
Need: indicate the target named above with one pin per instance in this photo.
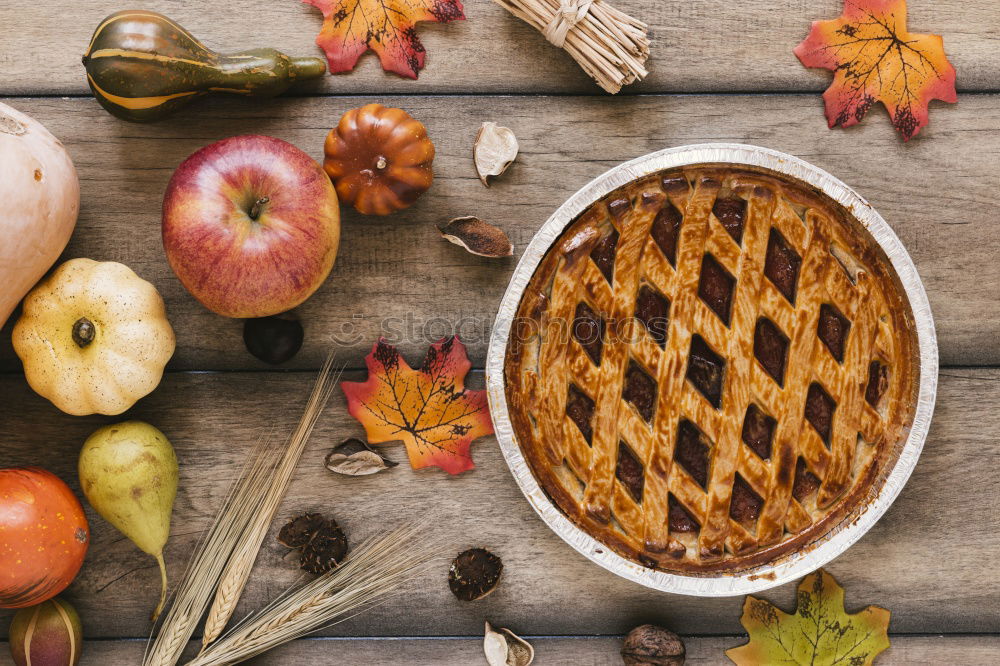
(820, 633)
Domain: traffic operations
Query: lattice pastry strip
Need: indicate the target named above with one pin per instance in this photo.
(632, 239)
(736, 388)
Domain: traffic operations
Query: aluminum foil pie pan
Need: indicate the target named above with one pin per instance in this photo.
(795, 565)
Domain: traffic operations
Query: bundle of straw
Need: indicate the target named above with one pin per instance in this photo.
(608, 44)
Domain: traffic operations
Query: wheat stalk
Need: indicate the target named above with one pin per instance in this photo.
(241, 562)
(209, 558)
(376, 568)
(608, 44)
(230, 548)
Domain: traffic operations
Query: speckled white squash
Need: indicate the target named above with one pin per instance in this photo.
(93, 337)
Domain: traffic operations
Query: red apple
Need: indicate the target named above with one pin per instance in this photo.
(251, 226)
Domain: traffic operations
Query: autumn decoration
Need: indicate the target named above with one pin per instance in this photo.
(819, 633)
(503, 647)
(875, 58)
(474, 574)
(93, 337)
(477, 237)
(495, 149)
(429, 409)
(143, 66)
(608, 44)
(320, 541)
(387, 27)
(379, 158)
(650, 644)
(352, 457)
(46, 536)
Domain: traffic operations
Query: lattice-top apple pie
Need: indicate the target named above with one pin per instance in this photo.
(711, 368)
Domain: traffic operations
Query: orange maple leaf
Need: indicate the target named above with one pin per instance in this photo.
(874, 58)
(388, 27)
(429, 409)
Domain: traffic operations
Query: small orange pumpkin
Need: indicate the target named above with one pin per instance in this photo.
(379, 159)
(43, 536)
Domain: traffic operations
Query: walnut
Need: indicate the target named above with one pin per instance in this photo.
(649, 645)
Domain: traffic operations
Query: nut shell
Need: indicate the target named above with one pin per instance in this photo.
(474, 574)
(379, 159)
(650, 645)
(323, 543)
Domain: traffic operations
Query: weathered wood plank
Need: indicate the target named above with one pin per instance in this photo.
(551, 651)
(395, 275)
(927, 559)
(713, 45)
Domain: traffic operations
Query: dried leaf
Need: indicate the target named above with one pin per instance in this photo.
(355, 458)
(875, 59)
(477, 237)
(429, 409)
(388, 27)
(820, 633)
(505, 648)
(494, 151)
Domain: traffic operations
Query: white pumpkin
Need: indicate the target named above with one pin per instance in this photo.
(41, 199)
(93, 337)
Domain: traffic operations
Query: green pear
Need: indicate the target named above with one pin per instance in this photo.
(128, 471)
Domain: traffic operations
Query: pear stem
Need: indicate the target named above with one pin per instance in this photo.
(163, 586)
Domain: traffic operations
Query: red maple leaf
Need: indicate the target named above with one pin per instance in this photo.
(388, 27)
(429, 409)
(875, 59)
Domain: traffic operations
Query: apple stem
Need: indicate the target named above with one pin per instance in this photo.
(381, 163)
(257, 208)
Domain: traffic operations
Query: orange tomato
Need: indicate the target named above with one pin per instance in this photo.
(43, 536)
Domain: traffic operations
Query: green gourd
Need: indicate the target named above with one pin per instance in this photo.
(142, 66)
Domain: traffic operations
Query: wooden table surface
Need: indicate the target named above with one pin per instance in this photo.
(720, 71)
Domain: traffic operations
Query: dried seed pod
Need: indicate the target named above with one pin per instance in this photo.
(356, 458)
(297, 531)
(323, 543)
(326, 550)
(649, 645)
(495, 149)
(474, 574)
(505, 648)
(477, 237)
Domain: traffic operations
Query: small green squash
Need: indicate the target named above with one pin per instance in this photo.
(142, 66)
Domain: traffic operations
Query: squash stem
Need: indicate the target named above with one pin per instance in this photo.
(83, 332)
(163, 586)
(306, 68)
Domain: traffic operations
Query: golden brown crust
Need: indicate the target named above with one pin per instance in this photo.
(620, 427)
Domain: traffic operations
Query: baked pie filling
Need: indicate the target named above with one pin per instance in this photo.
(711, 368)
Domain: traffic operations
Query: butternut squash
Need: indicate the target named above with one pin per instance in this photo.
(41, 199)
(142, 66)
